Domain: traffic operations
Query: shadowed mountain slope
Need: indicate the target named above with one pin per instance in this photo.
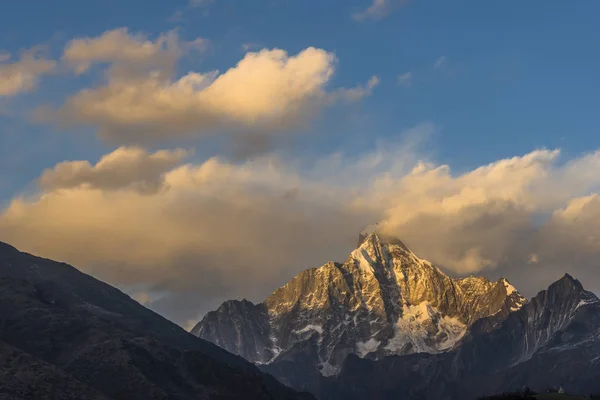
(64, 334)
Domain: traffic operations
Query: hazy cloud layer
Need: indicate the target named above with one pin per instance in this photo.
(22, 74)
(184, 237)
(219, 231)
(224, 230)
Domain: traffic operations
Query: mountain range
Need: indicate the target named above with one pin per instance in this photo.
(386, 324)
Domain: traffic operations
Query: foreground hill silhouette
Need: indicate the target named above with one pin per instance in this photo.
(65, 335)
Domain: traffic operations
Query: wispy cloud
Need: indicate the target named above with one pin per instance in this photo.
(22, 75)
(379, 9)
(405, 79)
(200, 3)
(356, 93)
(440, 62)
(176, 17)
(250, 46)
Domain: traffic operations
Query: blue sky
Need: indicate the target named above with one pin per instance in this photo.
(497, 79)
(517, 75)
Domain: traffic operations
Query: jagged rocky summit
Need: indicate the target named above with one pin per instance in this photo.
(552, 340)
(384, 300)
(386, 324)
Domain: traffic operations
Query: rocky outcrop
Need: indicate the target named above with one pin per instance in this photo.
(552, 340)
(240, 327)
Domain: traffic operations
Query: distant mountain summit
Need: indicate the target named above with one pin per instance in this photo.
(383, 300)
(368, 230)
(386, 324)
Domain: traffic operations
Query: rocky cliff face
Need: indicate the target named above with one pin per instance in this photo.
(382, 301)
(553, 340)
(386, 324)
(240, 327)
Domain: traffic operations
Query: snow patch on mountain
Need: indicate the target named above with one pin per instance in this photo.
(510, 289)
(585, 301)
(364, 348)
(423, 329)
(317, 328)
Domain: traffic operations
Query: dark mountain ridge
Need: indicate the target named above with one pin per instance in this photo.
(88, 340)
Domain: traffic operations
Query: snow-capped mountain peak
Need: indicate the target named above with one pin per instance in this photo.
(382, 300)
(510, 289)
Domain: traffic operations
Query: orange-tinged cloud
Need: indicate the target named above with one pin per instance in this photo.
(126, 167)
(222, 229)
(128, 54)
(22, 75)
(143, 100)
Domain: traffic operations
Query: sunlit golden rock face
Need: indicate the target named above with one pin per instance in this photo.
(382, 300)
